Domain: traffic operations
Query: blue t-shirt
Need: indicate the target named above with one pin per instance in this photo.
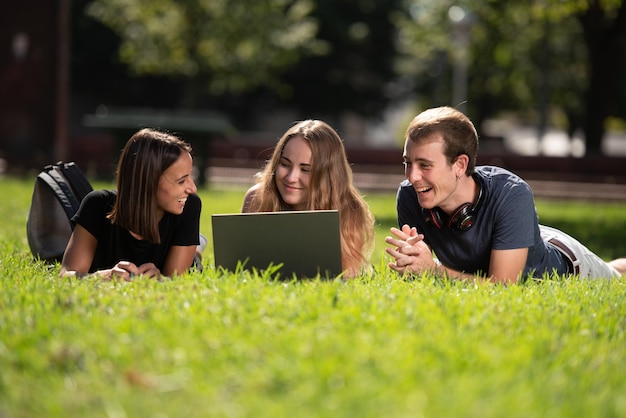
(116, 243)
(505, 219)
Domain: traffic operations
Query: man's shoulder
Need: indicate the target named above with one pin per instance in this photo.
(493, 171)
(405, 184)
(500, 183)
(405, 189)
(495, 174)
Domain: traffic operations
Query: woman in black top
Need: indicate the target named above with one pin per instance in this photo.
(150, 225)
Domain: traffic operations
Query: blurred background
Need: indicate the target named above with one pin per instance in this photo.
(543, 80)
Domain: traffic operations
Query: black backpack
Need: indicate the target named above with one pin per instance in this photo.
(59, 189)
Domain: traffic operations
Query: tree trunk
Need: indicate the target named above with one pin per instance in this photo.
(602, 38)
(596, 104)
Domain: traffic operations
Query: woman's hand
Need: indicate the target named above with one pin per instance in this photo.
(127, 271)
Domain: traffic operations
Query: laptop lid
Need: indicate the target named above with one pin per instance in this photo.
(305, 242)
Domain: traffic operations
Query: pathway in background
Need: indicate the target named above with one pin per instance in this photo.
(383, 180)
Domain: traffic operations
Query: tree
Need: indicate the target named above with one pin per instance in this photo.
(528, 56)
(502, 48)
(322, 57)
(232, 46)
(604, 27)
(355, 72)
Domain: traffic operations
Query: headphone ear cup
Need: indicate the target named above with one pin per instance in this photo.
(463, 217)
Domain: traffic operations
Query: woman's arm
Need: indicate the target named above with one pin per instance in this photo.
(179, 259)
(79, 253)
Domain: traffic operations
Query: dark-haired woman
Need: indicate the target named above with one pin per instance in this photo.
(149, 225)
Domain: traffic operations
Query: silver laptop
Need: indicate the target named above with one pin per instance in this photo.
(306, 243)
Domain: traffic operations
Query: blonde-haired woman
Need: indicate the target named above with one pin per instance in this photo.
(309, 170)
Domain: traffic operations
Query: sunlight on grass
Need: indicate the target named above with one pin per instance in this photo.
(216, 344)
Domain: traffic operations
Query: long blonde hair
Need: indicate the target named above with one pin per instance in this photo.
(330, 187)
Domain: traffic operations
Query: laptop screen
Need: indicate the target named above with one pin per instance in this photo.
(306, 243)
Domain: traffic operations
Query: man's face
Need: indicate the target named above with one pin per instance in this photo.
(428, 170)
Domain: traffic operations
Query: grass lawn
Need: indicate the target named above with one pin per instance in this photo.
(224, 345)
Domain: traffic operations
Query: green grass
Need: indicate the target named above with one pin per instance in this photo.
(223, 345)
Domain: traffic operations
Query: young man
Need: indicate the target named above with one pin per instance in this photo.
(479, 221)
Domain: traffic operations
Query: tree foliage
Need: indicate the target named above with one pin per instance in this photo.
(548, 60)
(507, 46)
(528, 57)
(300, 52)
(355, 73)
(236, 46)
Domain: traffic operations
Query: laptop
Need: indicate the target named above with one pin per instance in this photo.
(306, 243)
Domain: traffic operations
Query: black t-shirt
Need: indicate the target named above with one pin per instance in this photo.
(117, 244)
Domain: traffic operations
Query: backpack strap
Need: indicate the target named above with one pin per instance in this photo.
(76, 179)
(61, 190)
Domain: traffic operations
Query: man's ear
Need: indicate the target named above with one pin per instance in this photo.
(460, 163)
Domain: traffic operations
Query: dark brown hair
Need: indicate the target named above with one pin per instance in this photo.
(146, 155)
(459, 134)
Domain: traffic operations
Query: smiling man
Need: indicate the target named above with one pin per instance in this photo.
(479, 221)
